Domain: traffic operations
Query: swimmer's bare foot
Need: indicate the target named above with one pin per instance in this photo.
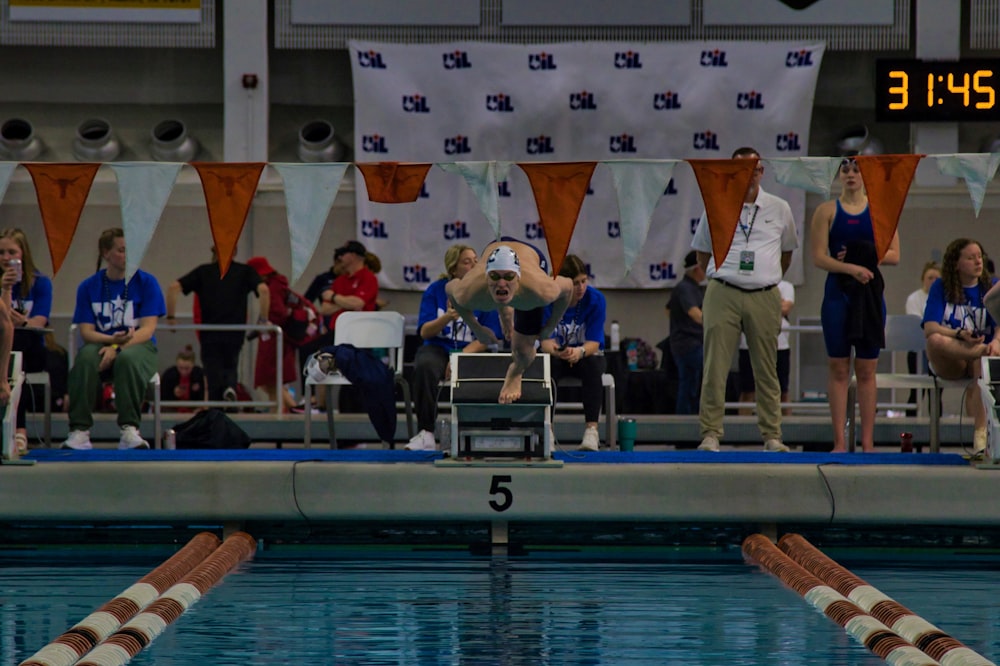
(511, 390)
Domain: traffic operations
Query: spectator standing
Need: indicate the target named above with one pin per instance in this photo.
(265, 372)
(28, 296)
(842, 243)
(223, 300)
(577, 346)
(117, 322)
(742, 295)
(443, 333)
(687, 334)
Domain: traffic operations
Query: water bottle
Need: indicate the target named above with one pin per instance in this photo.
(444, 433)
(632, 354)
(616, 336)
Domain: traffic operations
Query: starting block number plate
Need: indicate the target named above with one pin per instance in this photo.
(492, 441)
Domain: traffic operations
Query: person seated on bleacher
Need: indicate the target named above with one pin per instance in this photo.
(958, 328)
(577, 343)
(443, 333)
(515, 282)
(28, 295)
(117, 321)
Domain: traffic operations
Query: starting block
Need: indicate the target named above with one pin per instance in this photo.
(989, 391)
(483, 428)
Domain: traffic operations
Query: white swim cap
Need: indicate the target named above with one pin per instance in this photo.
(503, 259)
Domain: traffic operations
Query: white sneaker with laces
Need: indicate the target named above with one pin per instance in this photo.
(131, 439)
(709, 443)
(591, 440)
(79, 440)
(422, 441)
(775, 445)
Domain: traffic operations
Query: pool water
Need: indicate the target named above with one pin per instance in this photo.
(458, 610)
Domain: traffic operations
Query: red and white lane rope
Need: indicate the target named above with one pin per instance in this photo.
(119, 648)
(864, 628)
(930, 639)
(81, 638)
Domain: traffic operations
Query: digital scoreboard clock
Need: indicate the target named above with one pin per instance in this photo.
(937, 90)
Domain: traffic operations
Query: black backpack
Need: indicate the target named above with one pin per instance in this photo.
(210, 429)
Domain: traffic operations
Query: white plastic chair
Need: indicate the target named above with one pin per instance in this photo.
(364, 330)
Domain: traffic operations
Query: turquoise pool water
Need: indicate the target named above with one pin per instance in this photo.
(458, 610)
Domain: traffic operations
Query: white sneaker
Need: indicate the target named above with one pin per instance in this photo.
(79, 440)
(775, 445)
(709, 443)
(422, 441)
(979, 441)
(131, 439)
(591, 440)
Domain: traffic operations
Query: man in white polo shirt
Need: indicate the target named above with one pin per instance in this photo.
(742, 296)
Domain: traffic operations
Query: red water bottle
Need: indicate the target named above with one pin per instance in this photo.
(906, 442)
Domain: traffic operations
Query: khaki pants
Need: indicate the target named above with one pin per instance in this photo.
(726, 312)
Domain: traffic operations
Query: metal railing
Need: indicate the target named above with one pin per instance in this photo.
(274, 329)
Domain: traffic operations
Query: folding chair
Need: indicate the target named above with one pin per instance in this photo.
(364, 330)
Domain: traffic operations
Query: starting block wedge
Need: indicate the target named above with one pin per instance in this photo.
(483, 428)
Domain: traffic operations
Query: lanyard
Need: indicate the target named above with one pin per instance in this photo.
(748, 229)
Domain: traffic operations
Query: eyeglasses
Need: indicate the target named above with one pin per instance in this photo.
(496, 277)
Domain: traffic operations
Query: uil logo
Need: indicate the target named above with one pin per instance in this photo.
(370, 60)
(707, 140)
(540, 145)
(582, 101)
(456, 60)
(415, 274)
(627, 60)
(503, 189)
(614, 229)
(662, 271)
(694, 224)
(373, 229)
(788, 142)
(534, 231)
(415, 104)
(713, 58)
(499, 103)
(671, 189)
(456, 230)
(457, 145)
(373, 143)
(424, 194)
(666, 101)
(541, 61)
(752, 100)
(623, 143)
(803, 58)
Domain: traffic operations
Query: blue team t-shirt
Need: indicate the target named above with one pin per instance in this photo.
(457, 334)
(971, 315)
(581, 322)
(38, 302)
(111, 308)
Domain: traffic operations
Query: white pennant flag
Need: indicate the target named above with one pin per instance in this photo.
(814, 174)
(143, 190)
(6, 171)
(977, 169)
(310, 190)
(483, 178)
(639, 184)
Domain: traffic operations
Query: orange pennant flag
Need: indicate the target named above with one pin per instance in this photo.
(392, 182)
(61, 190)
(887, 180)
(724, 185)
(559, 190)
(229, 188)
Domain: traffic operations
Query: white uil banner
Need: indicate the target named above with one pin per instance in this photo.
(596, 102)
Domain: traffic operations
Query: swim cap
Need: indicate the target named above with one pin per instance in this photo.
(503, 259)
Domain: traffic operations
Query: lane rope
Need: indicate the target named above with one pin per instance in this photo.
(918, 631)
(867, 630)
(82, 637)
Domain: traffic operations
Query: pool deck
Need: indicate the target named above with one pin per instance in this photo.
(659, 482)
